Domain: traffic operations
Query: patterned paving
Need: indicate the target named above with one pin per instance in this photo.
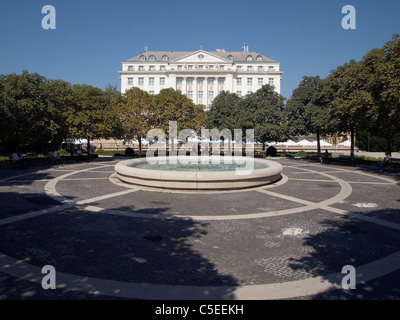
(108, 240)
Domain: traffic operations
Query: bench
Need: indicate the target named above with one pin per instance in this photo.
(393, 165)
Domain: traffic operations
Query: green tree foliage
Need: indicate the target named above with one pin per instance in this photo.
(91, 116)
(301, 109)
(264, 112)
(386, 64)
(136, 114)
(172, 105)
(222, 113)
(30, 118)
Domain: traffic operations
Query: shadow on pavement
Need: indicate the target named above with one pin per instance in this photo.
(109, 247)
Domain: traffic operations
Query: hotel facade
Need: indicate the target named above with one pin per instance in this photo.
(200, 75)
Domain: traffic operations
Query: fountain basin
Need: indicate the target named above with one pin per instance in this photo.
(201, 178)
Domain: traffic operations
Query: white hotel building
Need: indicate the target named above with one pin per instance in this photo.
(200, 75)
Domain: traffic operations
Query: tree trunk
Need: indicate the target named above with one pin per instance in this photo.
(88, 146)
(140, 146)
(352, 144)
(263, 149)
(318, 145)
(389, 145)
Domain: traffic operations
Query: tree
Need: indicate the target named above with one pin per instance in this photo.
(385, 63)
(299, 105)
(136, 114)
(92, 116)
(263, 111)
(353, 106)
(222, 113)
(307, 112)
(172, 105)
(327, 117)
(29, 120)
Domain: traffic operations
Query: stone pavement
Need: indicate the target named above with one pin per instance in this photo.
(289, 240)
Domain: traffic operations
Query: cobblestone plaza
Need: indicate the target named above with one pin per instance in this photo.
(287, 240)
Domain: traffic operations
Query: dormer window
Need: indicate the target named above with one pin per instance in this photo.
(230, 57)
(259, 58)
(165, 58)
(142, 57)
(152, 58)
(249, 57)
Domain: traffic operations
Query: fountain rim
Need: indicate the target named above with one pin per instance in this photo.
(198, 180)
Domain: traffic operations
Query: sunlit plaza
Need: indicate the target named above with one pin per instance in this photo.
(286, 240)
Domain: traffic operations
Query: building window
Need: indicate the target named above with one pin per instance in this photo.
(249, 68)
(164, 58)
(239, 93)
(142, 57)
(190, 94)
(200, 81)
(260, 68)
(249, 57)
(179, 67)
(271, 81)
(200, 56)
(239, 68)
(162, 68)
(162, 81)
(211, 94)
(210, 67)
(130, 81)
(230, 58)
(151, 92)
(221, 81)
(179, 81)
(210, 80)
(259, 57)
(190, 67)
(130, 68)
(200, 67)
(249, 81)
(221, 67)
(151, 68)
(190, 81)
(239, 81)
(141, 81)
(141, 68)
(151, 81)
(249, 92)
(200, 94)
(260, 81)
(271, 68)
(152, 58)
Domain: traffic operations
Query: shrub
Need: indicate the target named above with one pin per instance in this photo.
(129, 152)
(271, 151)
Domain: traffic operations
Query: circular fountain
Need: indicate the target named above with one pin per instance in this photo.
(199, 173)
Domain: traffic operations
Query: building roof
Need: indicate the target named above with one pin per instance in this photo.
(173, 55)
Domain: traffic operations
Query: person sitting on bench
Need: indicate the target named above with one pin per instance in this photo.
(385, 162)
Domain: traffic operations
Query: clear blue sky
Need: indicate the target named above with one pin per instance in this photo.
(92, 38)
